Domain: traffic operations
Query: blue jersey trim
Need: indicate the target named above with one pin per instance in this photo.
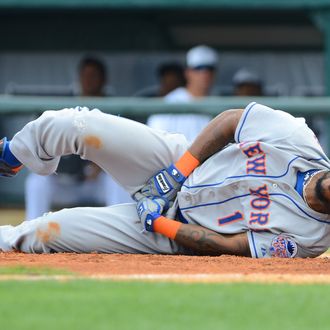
(214, 203)
(254, 245)
(301, 178)
(295, 203)
(252, 175)
(245, 195)
(246, 114)
(243, 176)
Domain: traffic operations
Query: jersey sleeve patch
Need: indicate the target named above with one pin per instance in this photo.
(283, 247)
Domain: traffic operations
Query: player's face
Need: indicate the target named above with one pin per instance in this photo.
(91, 81)
(201, 78)
(322, 190)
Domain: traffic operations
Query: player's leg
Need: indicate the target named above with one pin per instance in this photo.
(113, 229)
(131, 152)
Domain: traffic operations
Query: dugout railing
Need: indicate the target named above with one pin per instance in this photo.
(142, 107)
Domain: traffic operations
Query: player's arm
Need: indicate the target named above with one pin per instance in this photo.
(207, 242)
(217, 134)
(200, 240)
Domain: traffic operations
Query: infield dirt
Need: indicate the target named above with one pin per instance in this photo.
(178, 268)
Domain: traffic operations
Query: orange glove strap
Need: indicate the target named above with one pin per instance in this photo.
(167, 227)
(187, 163)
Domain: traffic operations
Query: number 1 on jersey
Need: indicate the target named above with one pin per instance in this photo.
(237, 216)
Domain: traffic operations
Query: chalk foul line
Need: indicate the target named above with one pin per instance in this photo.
(183, 278)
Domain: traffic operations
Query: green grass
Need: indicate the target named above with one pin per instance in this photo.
(23, 270)
(96, 305)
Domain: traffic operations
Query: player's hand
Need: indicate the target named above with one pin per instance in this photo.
(164, 184)
(149, 209)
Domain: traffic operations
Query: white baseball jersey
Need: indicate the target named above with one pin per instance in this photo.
(188, 124)
(180, 94)
(251, 186)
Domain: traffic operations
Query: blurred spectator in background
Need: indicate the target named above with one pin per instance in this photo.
(201, 63)
(247, 83)
(77, 182)
(170, 76)
(92, 77)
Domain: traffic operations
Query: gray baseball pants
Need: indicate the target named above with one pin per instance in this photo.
(129, 151)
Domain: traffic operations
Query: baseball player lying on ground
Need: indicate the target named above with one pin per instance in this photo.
(267, 194)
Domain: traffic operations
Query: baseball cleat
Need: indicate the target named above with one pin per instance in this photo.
(6, 169)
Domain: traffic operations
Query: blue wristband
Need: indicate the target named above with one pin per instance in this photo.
(149, 222)
(176, 174)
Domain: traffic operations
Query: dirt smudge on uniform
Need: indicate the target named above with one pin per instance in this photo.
(52, 231)
(93, 141)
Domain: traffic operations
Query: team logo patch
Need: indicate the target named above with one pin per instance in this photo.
(283, 247)
(174, 172)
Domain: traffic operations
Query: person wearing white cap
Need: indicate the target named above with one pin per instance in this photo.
(201, 63)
